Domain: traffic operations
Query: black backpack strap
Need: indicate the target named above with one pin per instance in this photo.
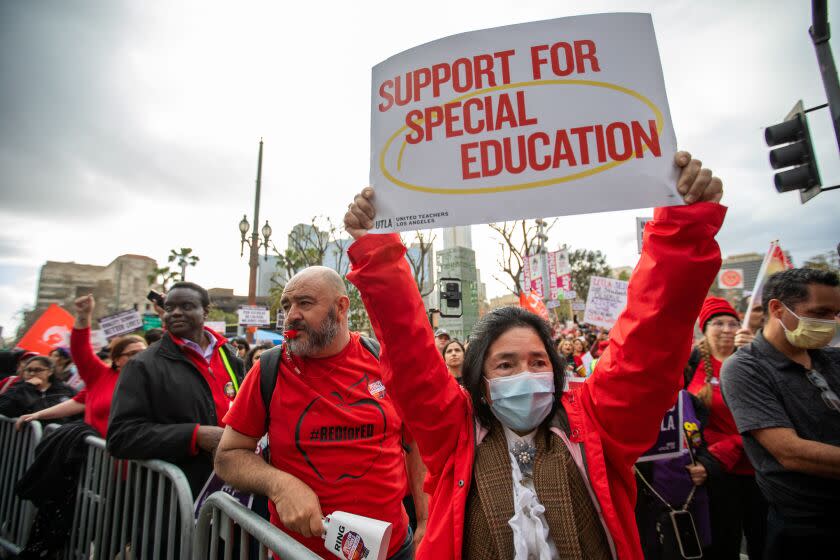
(693, 361)
(269, 369)
(371, 345)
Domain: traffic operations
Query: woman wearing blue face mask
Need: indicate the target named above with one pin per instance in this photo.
(516, 467)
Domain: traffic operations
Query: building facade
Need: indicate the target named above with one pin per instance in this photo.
(122, 284)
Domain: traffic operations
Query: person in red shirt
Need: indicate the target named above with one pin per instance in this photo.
(735, 502)
(100, 379)
(334, 433)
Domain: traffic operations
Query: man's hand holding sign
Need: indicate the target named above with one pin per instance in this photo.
(696, 184)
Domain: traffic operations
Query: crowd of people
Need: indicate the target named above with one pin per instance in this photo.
(521, 442)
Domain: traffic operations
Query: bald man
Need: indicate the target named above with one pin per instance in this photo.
(334, 433)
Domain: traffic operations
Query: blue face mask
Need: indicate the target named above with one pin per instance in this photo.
(522, 401)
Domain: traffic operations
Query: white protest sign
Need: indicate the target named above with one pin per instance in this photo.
(578, 306)
(548, 118)
(98, 340)
(254, 316)
(121, 323)
(640, 231)
(606, 300)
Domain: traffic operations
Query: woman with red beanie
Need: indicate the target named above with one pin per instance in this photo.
(735, 502)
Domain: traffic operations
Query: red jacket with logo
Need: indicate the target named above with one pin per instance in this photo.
(613, 418)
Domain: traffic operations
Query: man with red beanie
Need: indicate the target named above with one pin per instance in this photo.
(736, 505)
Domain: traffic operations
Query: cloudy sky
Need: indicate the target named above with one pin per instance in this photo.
(132, 127)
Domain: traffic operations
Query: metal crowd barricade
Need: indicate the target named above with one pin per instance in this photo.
(130, 509)
(17, 450)
(224, 525)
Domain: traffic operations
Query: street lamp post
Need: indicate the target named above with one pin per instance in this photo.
(254, 243)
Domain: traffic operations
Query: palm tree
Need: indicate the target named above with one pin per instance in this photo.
(162, 276)
(185, 258)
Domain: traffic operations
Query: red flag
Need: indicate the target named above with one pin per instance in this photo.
(51, 330)
(533, 303)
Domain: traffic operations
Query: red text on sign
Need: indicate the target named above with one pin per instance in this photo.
(565, 58)
(465, 74)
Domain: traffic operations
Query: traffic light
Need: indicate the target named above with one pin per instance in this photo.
(795, 156)
(450, 297)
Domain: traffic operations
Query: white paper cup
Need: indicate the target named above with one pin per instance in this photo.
(353, 537)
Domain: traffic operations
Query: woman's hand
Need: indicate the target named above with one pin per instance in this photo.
(743, 337)
(359, 217)
(696, 183)
(25, 419)
(697, 473)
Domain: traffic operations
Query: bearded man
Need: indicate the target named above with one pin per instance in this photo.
(335, 435)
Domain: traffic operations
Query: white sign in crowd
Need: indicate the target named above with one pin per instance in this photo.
(606, 300)
(121, 323)
(254, 316)
(549, 118)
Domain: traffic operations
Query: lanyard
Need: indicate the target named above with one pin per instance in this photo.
(229, 370)
(655, 493)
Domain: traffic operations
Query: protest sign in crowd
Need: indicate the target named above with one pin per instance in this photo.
(665, 423)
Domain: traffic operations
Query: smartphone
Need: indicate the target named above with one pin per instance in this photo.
(686, 534)
(155, 297)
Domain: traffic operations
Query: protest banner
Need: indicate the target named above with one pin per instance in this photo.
(671, 442)
(606, 300)
(559, 273)
(216, 326)
(548, 118)
(532, 274)
(640, 231)
(50, 331)
(120, 323)
(731, 279)
(254, 316)
(578, 306)
(774, 261)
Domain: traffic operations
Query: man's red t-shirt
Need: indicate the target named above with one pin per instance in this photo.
(334, 427)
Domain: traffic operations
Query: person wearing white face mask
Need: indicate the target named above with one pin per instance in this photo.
(516, 467)
(783, 390)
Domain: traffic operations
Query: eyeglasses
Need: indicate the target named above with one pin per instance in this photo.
(36, 370)
(130, 354)
(720, 325)
(829, 397)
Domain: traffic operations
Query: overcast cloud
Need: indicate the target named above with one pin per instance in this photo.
(133, 127)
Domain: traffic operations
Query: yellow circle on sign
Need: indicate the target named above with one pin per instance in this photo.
(517, 186)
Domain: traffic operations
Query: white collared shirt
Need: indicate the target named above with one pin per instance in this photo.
(206, 352)
(531, 540)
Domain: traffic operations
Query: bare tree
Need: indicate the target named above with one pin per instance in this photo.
(518, 239)
(423, 240)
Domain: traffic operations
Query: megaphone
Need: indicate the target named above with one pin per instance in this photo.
(354, 537)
